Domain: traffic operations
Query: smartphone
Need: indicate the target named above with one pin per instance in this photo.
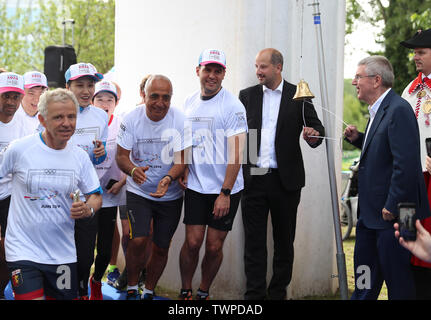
(407, 220)
(110, 184)
(428, 145)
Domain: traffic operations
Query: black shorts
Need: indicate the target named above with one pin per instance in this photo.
(4, 210)
(198, 210)
(165, 215)
(31, 280)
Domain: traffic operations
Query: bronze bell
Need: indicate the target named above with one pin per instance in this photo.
(303, 91)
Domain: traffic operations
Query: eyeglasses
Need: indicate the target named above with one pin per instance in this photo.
(357, 77)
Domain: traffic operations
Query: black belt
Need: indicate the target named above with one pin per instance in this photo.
(263, 171)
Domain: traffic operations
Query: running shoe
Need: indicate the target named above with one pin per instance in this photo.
(148, 296)
(113, 276)
(121, 283)
(96, 290)
(202, 296)
(133, 295)
(186, 294)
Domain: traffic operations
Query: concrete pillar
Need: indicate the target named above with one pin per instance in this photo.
(167, 37)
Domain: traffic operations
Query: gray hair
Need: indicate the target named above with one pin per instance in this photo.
(156, 77)
(56, 95)
(379, 65)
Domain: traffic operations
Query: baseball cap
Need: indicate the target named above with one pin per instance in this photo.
(10, 81)
(212, 56)
(82, 69)
(105, 86)
(35, 79)
(421, 39)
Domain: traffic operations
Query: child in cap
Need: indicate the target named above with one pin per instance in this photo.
(35, 84)
(91, 134)
(112, 180)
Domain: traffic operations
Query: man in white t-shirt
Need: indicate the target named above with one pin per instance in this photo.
(91, 134)
(214, 180)
(150, 151)
(46, 169)
(35, 84)
(11, 128)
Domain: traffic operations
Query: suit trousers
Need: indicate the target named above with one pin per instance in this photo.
(264, 194)
(379, 256)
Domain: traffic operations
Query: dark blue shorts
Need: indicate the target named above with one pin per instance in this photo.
(31, 280)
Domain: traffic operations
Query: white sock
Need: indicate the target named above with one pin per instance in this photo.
(147, 291)
(135, 287)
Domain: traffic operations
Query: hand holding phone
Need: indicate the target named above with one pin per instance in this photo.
(428, 146)
(110, 184)
(407, 220)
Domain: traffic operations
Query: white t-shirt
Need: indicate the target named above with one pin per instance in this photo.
(153, 144)
(40, 228)
(10, 131)
(212, 122)
(31, 123)
(108, 169)
(417, 104)
(91, 124)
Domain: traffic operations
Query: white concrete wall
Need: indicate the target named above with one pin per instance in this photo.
(167, 37)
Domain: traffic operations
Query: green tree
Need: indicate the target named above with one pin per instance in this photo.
(401, 19)
(26, 33)
(354, 112)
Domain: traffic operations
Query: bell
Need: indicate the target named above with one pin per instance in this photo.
(303, 91)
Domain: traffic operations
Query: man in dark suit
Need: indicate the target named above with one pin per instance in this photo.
(389, 173)
(274, 173)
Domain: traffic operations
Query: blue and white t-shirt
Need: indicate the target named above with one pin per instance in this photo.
(108, 169)
(91, 124)
(40, 228)
(153, 144)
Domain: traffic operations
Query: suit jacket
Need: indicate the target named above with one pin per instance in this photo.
(289, 128)
(390, 169)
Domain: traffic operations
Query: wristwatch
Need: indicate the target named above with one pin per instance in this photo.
(91, 210)
(226, 191)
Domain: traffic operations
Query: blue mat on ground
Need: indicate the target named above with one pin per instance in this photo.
(109, 293)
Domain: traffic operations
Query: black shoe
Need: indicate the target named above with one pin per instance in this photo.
(121, 283)
(186, 294)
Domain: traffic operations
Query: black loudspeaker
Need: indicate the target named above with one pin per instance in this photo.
(57, 60)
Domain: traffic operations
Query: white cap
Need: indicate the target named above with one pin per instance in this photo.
(82, 69)
(10, 81)
(212, 56)
(105, 86)
(35, 79)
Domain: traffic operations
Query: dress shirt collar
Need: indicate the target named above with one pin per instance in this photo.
(375, 107)
(279, 88)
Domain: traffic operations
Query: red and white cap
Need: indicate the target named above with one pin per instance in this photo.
(106, 86)
(11, 82)
(82, 69)
(212, 56)
(35, 79)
